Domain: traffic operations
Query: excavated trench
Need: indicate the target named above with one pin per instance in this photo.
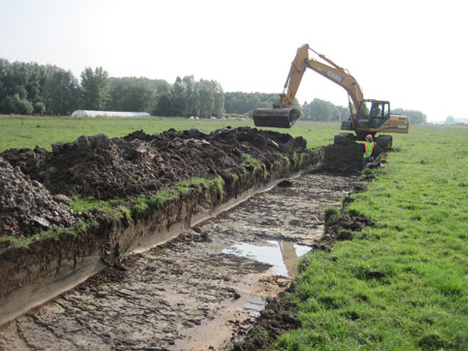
(195, 292)
(171, 274)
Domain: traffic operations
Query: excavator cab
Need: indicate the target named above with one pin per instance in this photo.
(369, 119)
(372, 113)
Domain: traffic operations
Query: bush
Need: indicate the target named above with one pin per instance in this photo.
(39, 108)
(15, 105)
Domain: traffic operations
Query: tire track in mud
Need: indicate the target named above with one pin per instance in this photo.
(195, 292)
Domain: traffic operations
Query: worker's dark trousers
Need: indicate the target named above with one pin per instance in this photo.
(365, 161)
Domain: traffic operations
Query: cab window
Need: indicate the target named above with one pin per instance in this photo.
(386, 111)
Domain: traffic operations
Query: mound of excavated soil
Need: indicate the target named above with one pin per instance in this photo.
(142, 164)
(138, 164)
(344, 160)
(26, 207)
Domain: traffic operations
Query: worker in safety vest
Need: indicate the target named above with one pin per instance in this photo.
(368, 151)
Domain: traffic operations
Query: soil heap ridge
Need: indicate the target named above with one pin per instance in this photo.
(344, 160)
(119, 168)
(140, 163)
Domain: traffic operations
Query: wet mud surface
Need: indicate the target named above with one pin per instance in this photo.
(197, 292)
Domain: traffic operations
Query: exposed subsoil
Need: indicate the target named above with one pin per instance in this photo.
(197, 292)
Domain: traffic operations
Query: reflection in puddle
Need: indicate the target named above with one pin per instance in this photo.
(254, 305)
(282, 255)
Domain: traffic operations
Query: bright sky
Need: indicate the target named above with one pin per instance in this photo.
(410, 52)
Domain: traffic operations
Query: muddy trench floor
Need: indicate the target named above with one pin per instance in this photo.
(197, 292)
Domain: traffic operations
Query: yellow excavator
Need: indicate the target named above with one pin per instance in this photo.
(367, 116)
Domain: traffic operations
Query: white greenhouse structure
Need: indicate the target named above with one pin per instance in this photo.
(92, 114)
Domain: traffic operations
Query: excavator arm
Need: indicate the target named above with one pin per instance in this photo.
(301, 62)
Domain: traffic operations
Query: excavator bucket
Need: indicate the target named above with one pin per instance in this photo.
(275, 117)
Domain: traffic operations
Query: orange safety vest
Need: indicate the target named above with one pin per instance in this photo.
(369, 148)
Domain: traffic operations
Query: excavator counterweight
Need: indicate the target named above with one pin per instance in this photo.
(276, 117)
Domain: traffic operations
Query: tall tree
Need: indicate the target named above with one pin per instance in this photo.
(19, 87)
(321, 110)
(178, 98)
(165, 106)
(245, 103)
(191, 95)
(218, 108)
(206, 98)
(4, 72)
(94, 88)
(61, 92)
(131, 98)
(116, 96)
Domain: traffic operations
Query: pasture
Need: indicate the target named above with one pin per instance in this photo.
(27, 132)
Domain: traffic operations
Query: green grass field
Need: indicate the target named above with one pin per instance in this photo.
(400, 285)
(28, 132)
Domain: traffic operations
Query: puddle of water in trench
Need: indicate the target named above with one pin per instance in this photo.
(253, 306)
(282, 255)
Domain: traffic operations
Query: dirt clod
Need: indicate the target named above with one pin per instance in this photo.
(344, 160)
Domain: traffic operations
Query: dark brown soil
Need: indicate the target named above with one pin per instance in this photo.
(278, 317)
(142, 164)
(122, 168)
(344, 160)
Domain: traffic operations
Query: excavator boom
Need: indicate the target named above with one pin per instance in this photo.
(331, 71)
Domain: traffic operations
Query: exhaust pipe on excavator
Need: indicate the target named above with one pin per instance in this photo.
(275, 117)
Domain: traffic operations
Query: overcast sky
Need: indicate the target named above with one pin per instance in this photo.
(413, 53)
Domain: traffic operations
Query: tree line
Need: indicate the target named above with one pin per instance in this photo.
(415, 116)
(30, 88)
(320, 110)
